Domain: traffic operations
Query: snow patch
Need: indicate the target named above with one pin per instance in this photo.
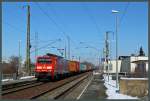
(27, 77)
(134, 78)
(96, 73)
(4, 80)
(111, 89)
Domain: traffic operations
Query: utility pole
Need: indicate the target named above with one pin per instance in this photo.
(99, 63)
(65, 52)
(68, 38)
(104, 59)
(36, 45)
(28, 43)
(79, 58)
(19, 60)
(72, 58)
(107, 53)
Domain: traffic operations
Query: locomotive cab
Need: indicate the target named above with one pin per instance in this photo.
(44, 67)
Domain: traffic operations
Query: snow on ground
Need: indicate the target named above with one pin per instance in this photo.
(96, 73)
(4, 80)
(134, 78)
(27, 77)
(111, 89)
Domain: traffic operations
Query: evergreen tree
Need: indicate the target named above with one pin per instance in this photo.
(141, 52)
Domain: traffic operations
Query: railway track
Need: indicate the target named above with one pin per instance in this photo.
(20, 87)
(63, 89)
(34, 92)
(17, 84)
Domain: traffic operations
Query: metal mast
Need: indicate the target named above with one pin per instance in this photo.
(107, 53)
(28, 43)
(19, 60)
(68, 38)
(36, 45)
(65, 52)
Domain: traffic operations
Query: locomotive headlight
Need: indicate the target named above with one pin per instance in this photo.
(49, 67)
(39, 67)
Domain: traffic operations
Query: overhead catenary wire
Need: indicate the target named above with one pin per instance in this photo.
(45, 45)
(41, 41)
(124, 13)
(50, 18)
(17, 29)
(14, 27)
(59, 28)
(55, 13)
(89, 13)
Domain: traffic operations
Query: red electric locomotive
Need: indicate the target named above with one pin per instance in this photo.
(50, 66)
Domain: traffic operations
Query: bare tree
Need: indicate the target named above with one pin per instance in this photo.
(14, 63)
(89, 64)
(6, 69)
(32, 67)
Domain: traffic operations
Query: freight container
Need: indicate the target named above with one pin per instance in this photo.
(77, 66)
(65, 66)
(82, 67)
(72, 66)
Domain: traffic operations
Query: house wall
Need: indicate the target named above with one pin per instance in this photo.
(113, 68)
(125, 65)
(135, 58)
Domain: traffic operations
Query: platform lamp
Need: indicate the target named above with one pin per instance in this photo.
(116, 12)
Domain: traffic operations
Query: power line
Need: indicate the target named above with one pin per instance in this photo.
(91, 17)
(41, 41)
(124, 12)
(50, 18)
(55, 13)
(46, 45)
(15, 28)
(63, 32)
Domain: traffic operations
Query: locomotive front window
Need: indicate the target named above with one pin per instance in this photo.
(44, 61)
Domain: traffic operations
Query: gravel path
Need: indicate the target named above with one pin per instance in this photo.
(96, 89)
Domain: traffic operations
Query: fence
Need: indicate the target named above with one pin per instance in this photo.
(9, 76)
(13, 76)
(134, 86)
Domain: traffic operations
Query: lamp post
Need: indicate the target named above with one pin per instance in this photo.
(19, 64)
(115, 12)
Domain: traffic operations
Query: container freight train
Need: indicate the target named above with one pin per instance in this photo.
(55, 67)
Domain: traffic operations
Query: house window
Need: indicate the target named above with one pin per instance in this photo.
(141, 67)
(110, 66)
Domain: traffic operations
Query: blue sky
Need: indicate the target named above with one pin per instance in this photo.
(82, 22)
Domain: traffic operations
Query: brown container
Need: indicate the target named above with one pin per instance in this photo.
(72, 66)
